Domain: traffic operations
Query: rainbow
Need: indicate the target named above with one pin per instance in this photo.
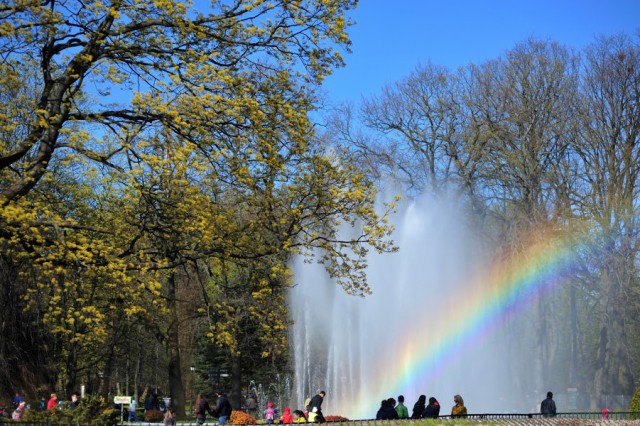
(492, 300)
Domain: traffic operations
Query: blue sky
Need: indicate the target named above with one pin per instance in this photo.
(391, 37)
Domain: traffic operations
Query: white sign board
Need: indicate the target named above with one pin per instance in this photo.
(122, 400)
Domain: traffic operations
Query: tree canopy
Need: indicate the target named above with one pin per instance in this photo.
(543, 137)
(139, 139)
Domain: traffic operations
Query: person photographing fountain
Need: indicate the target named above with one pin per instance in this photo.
(315, 407)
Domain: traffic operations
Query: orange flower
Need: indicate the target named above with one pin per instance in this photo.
(241, 418)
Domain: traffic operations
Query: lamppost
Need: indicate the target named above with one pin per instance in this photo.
(193, 385)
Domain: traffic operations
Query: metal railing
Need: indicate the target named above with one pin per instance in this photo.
(590, 415)
(532, 418)
(522, 417)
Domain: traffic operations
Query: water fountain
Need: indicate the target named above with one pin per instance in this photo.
(278, 392)
(424, 330)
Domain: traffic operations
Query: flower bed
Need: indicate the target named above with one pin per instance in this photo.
(241, 418)
(336, 419)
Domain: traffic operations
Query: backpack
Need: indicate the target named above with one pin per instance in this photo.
(270, 414)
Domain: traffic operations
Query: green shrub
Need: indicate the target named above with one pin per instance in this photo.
(634, 408)
(91, 410)
(53, 416)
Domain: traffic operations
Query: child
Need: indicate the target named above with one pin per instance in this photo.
(286, 417)
(270, 413)
(19, 411)
(169, 418)
(299, 417)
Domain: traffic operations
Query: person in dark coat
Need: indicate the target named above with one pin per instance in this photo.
(548, 406)
(148, 403)
(223, 408)
(387, 410)
(432, 411)
(315, 406)
(418, 407)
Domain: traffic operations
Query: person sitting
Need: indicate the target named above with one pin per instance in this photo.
(432, 411)
(299, 417)
(418, 407)
(387, 410)
(401, 409)
(458, 410)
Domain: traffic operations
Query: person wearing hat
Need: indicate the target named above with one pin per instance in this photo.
(270, 413)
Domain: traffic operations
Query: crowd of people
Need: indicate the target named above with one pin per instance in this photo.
(19, 405)
(312, 413)
(389, 409)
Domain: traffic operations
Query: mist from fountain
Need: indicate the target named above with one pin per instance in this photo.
(363, 350)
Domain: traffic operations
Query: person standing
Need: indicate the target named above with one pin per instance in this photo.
(155, 403)
(74, 401)
(548, 406)
(16, 400)
(148, 403)
(202, 408)
(458, 410)
(53, 402)
(270, 414)
(401, 409)
(307, 407)
(133, 407)
(252, 406)
(223, 408)
(286, 416)
(315, 406)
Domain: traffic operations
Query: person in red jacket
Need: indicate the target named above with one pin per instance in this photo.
(286, 417)
(53, 402)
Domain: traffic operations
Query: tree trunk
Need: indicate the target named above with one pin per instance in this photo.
(176, 388)
(235, 396)
(71, 373)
